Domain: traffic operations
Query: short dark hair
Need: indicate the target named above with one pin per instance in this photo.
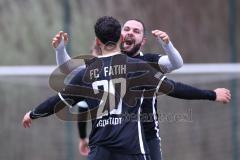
(108, 30)
(140, 21)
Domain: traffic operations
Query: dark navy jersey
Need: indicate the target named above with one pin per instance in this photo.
(149, 116)
(149, 106)
(148, 57)
(114, 87)
(117, 84)
(149, 113)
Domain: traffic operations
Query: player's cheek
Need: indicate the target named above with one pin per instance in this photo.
(123, 33)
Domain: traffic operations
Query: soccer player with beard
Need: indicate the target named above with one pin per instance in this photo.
(132, 44)
(133, 32)
(113, 85)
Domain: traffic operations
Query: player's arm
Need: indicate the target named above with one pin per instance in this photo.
(58, 43)
(184, 91)
(62, 57)
(82, 119)
(47, 108)
(82, 128)
(44, 109)
(82, 125)
(173, 59)
(50, 106)
(69, 96)
(179, 90)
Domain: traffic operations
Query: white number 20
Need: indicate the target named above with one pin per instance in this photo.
(110, 93)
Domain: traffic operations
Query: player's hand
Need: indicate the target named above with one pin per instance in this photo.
(26, 122)
(162, 35)
(83, 147)
(222, 95)
(57, 39)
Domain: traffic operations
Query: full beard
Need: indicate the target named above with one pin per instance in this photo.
(132, 52)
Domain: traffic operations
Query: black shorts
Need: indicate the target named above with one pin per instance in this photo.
(155, 151)
(100, 153)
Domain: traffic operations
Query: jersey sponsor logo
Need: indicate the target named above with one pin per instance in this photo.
(109, 121)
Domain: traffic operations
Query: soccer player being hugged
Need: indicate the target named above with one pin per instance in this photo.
(111, 135)
(134, 36)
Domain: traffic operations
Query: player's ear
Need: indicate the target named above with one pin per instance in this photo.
(144, 41)
(97, 41)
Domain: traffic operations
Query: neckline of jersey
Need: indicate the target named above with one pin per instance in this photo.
(109, 55)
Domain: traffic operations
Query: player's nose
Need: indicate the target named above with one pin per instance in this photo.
(130, 35)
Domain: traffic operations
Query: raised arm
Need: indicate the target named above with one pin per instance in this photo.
(172, 60)
(58, 43)
(62, 58)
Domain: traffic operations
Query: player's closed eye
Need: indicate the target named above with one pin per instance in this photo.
(126, 29)
(136, 31)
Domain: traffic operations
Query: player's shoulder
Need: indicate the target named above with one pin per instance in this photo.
(137, 64)
(135, 60)
(78, 74)
(152, 54)
(124, 59)
(150, 57)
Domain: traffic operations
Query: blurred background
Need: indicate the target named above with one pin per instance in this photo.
(203, 32)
